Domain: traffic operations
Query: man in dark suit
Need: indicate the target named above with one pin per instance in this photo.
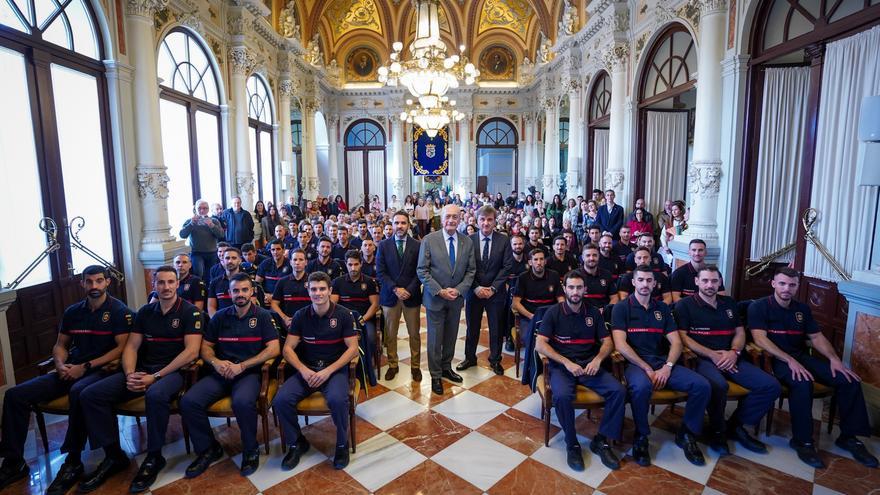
(446, 268)
(400, 291)
(494, 260)
(611, 215)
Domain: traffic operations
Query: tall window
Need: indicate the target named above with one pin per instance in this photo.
(497, 155)
(189, 107)
(597, 131)
(260, 121)
(296, 139)
(364, 162)
(563, 155)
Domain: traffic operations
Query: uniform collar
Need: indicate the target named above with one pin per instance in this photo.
(329, 311)
(174, 309)
(702, 302)
(566, 309)
(252, 311)
(631, 299)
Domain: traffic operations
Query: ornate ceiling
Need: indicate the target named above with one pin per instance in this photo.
(356, 35)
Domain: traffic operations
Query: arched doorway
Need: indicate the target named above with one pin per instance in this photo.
(598, 120)
(57, 162)
(497, 156)
(260, 119)
(364, 162)
(667, 99)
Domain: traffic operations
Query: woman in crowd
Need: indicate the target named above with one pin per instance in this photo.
(499, 202)
(340, 203)
(529, 206)
(423, 216)
(639, 225)
(571, 212)
(556, 209)
(270, 221)
(324, 209)
(376, 205)
(257, 215)
(408, 205)
(675, 225)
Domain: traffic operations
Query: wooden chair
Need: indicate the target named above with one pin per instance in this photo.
(585, 398)
(658, 397)
(316, 404)
(268, 388)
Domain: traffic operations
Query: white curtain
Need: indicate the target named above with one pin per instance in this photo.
(355, 164)
(851, 71)
(600, 158)
(780, 153)
(665, 158)
(377, 174)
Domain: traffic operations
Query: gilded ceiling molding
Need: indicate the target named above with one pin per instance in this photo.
(350, 15)
(513, 15)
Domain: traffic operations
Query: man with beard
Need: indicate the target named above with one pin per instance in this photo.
(303, 239)
(368, 257)
(594, 233)
(291, 293)
(657, 262)
(573, 337)
(709, 325)
(623, 247)
(358, 292)
(343, 244)
(517, 268)
(166, 336)
(218, 291)
(217, 270)
(274, 269)
(535, 242)
(661, 291)
(644, 332)
(781, 326)
(92, 333)
(561, 261)
(599, 287)
(191, 288)
(239, 339)
(324, 263)
(535, 288)
(607, 260)
(683, 278)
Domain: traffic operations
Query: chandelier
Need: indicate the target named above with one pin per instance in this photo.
(428, 74)
(431, 119)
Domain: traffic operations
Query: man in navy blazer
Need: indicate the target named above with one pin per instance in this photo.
(494, 260)
(400, 291)
(611, 216)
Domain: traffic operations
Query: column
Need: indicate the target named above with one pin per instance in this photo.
(397, 173)
(615, 176)
(466, 169)
(704, 172)
(158, 246)
(285, 91)
(310, 180)
(573, 177)
(333, 153)
(7, 369)
(242, 62)
(550, 182)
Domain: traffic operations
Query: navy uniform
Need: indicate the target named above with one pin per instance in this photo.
(646, 330)
(535, 292)
(563, 266)
(355, 295)
(683, 280)
(219, 290)
(661, 288)
(621, 251)
(271, 273)
(789, 328)
(338, 251)
(516, 269)
(249, 268)
(611, 264)
(715, 328)
(163, 340)
(598, 288)
(92, 334)
(322, 342)
(577, 336)
(292, 294)
(193, 289)
(235, 339)
(658, 264)
(368, 268)
(332, 268)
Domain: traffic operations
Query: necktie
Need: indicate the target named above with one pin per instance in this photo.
(400, 248)
(485, 249)
(452, 251)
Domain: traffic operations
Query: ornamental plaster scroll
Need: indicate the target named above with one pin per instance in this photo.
(145, 8)
(242, 60)
(245, 184)
(614, 180)
(616, 57)
(285, 88)
(704, 179)
(153, 185)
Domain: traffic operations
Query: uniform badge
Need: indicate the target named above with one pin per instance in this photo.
(730, 313)
(603, 282)
(186, 287)
(252, 323)
(364, 286)
(198, 324)
(175, 323)
(799, 317)
(332, 322)
(589, 321)
(106, 317)
(658, 315)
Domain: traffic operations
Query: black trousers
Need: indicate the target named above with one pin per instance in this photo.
(494, 308)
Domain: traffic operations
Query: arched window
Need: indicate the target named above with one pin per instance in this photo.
(189, 106)
(364, 162)
(260, 118)
(599, 112)
(563, 155)
(56, 162)
(671, 61)
(497, 154)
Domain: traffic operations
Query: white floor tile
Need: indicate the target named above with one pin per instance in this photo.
(473, 375)
(665, 454)
(380, 460)
(780, 457)
(177, 460)
(404, 376)
(270, 473)
(470, 409)
(821, 490)
(479, 460)
(389, 410)
(531, 405)
(711, 491)
(826, 442)
(555, 456)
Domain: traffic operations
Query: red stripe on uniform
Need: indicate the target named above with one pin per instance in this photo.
(541, 301)
(223, 295)
(354, 299)
(267, 277)
(645, 330)
(90, 332)
(297, 298)
(709, 331)
(164, 339)
(323, 342)
(595, 296)
(575, 341)
(240, 339)
(786, 332)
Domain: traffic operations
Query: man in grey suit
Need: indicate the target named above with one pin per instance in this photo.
(446, 268)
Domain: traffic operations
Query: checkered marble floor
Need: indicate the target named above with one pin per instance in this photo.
(483, 436)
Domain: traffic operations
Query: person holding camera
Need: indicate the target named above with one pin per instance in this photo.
(203, 232)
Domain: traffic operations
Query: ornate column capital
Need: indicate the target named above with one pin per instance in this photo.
(708, 7)
(704, 178)
(237, 23)
(242, 60)
(548, 103)
(614, 180)
(244, 184)
(616, 57)
(145, 8)
(153, 185)
(285, 88)
(333, 120)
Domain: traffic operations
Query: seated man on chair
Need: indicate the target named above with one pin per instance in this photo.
(239, 339)
(92, 334)
(574, 339)
(320, 344)
(645, 334)
(358, 292)
(166, 337)
(781, 326)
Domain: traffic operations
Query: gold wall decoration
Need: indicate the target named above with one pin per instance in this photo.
(497, 63)
(442, 17)
(348, 15)
(513, 15)
(361, 65)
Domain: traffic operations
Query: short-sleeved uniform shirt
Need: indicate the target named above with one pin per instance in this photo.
(621, 251)
(192, 289)
(610, 264)
(541, 246)
(216, 271)
(219, 290)
(657, 263)
(682, 280)
(598, 288)
(788, 328)
(272, 273)
(563, 266)
(322, 338)
(576, 335)
(163, 334)
(517, 269)
(368, 268)
(338, 252)
(355, 294)
(646, 328)
(624, 283)
(332, 268)
(292, 294)
(710, 327)
(93, 333)
(538, 291)
(239, 339)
